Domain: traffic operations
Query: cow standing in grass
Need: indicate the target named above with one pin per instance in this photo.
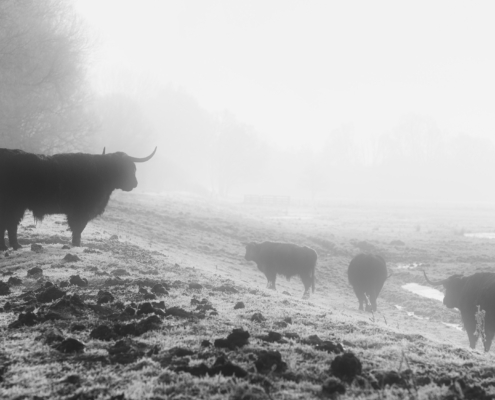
(367, 273)
(467, 293)
(75, 184)
(285, 259)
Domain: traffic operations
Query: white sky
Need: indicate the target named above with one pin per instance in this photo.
(295, 70)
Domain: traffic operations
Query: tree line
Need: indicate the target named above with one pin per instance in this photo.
(47, 105)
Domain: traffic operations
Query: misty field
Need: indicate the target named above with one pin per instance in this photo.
(138, 311)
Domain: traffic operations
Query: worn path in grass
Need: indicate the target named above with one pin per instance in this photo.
(187, 253)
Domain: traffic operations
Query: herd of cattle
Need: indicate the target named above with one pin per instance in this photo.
(367, 274)
(80, 185)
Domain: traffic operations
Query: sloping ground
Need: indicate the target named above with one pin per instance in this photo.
(137, 312)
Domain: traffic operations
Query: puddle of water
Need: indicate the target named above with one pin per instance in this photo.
(455, 326)
(411, 314)
(481, 235)
(408, 266)
(424, 291)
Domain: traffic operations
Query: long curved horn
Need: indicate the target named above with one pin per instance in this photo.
(144, 159)
(103, 152)
(434, 283)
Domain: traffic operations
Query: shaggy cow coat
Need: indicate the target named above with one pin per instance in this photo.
(78, 185)
(285, 259)
(367, 274)
(467, 293)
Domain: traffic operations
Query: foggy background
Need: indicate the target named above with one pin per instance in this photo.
(319, 100)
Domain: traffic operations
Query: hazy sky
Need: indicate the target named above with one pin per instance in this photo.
(295, 70)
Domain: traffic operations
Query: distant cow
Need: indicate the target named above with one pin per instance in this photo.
(467, 293)
(367, 274)
(75, 184)
(285, 259)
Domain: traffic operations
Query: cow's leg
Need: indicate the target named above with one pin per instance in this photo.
(362, 301)
(12, 231)
(489, 338)
(3, 228)
(489, 329)
(307, 285)
(473, 339)
(3, 247)
(12, 222)
(469, 321)
(8, 222)
(271, 277)
(76, 225)
(371, 305)
(360, 296)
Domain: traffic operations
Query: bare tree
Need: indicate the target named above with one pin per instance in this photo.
(42, 76)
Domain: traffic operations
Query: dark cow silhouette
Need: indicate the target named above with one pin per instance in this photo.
(467, 293)
(285, 259)
(367, 273)
(75, 184)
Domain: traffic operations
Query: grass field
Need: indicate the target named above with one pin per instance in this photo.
(136, 313)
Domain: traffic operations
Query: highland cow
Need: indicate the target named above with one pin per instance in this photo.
(285, 259)
(75, 184)
(467, 293)
(367, 273)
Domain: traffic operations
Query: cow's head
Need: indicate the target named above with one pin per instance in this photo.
(251, 251)
(121, 169)
(453, 286)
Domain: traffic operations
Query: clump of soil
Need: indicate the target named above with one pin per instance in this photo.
(4, 289)
(238, 338)
(220, 366)
(270, 360)
(159, 289)
(70, 345)
(78, 281)
(71, 258)
(145, 308)
(25, 319)
(226, 289)
(196, 286)
(34, 272)
(105, 297)
(258, 317)
(52, 293)
(103, 332)
(332, 386)
(346, 366)
(273, 337)
(14, 281)
(126, 351)
(36, 247)
(114, 281)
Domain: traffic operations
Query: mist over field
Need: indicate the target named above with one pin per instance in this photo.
(317, 101)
